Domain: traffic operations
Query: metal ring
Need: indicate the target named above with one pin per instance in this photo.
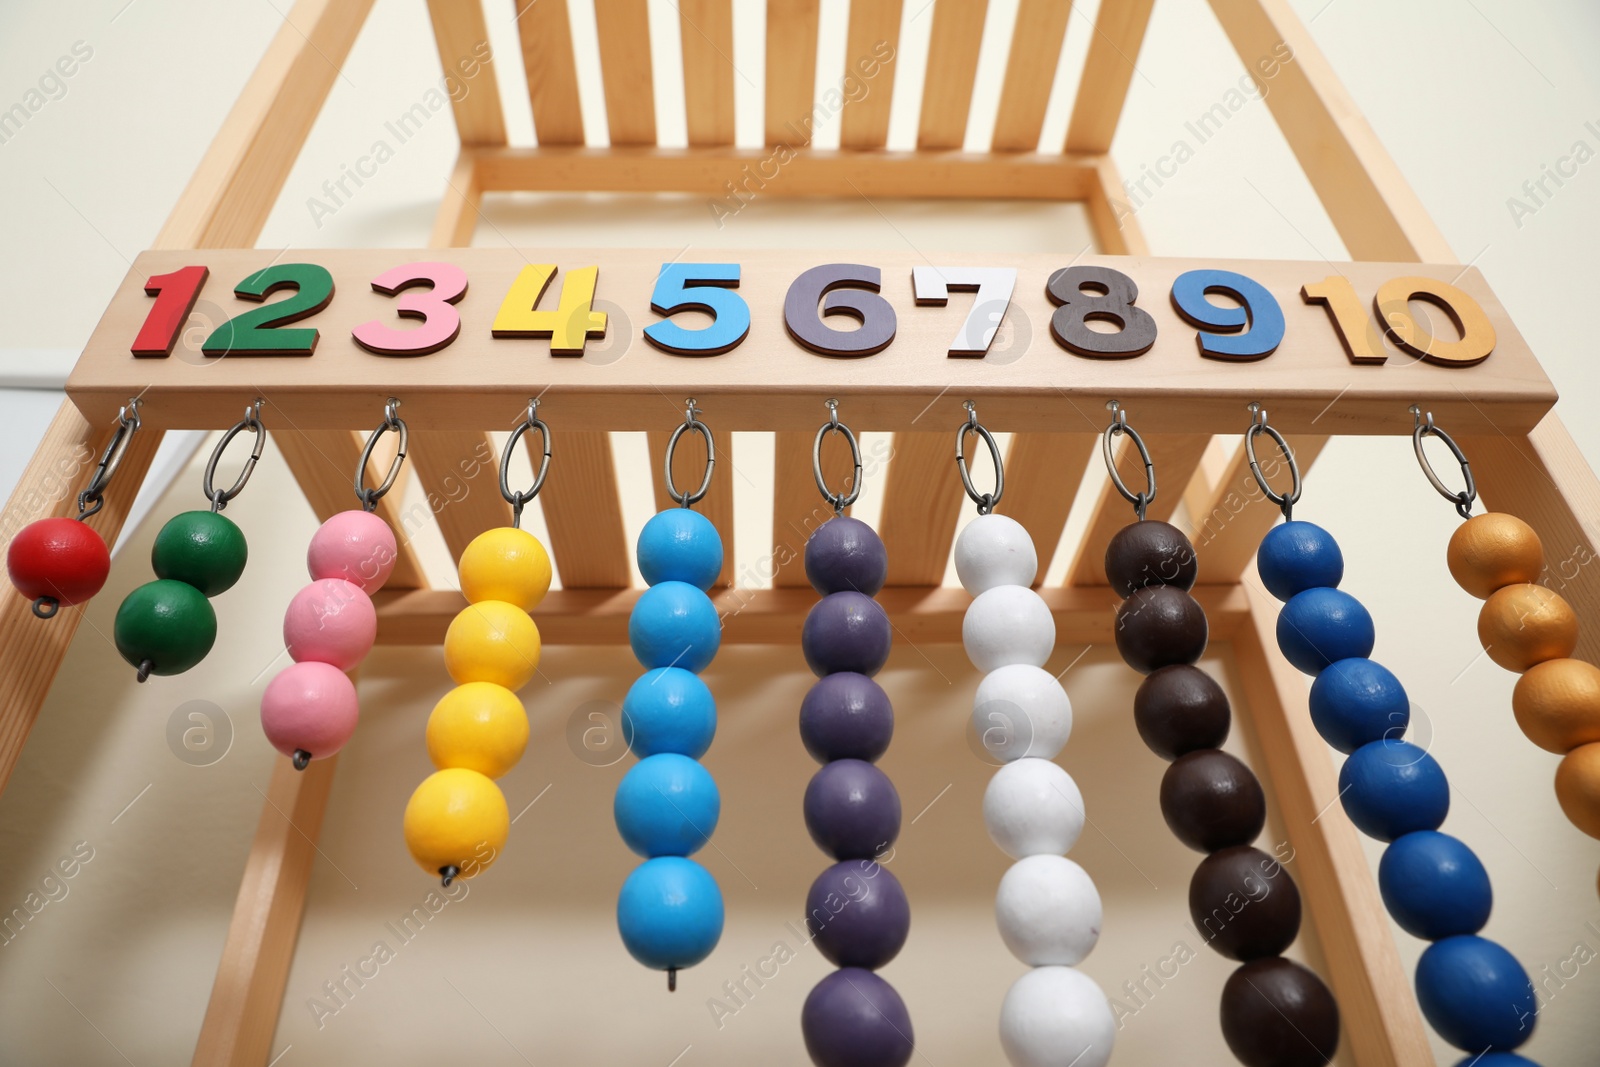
(519, 498)
(252, 421)
(1285, 502)
(1425, 428)
(92, 499)
(986, 501)
(1119, 426)
(690, 423)
(391, 422)
(840, 501)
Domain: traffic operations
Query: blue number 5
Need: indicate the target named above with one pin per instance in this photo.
(699, 287)
(1252, 331)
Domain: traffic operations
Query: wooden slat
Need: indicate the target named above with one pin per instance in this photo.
(233, 189)
(922, 501)
(707, 31)
(1108, 69)
(247, 996)
(797, 505)
(1367, 198)
(546, 35)
(460, 470)
(459, 205)
(1116, 227)
(689, 464)
(31, 649)
(864, 122)
(583, 511)
(624, 30)
(774, 616)
(1380, 1019)
(324, 463)
(463, 40)
(956, 37)
(1175, 457)
(1043, 473)
(1228, 527)
(1030, 71)
(791, 71)
(1544, 480)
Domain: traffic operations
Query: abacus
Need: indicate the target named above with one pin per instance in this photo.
(461, 336)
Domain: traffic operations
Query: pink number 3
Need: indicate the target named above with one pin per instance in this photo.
(440, 321)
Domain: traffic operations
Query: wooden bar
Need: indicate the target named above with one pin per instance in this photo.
(774, 616)
(953, 46)
(707, 31)
(546, 34)
(1235, 515)
(688, 468)
(1176, 456)
(460, 472)
(459, 206)
(1108, 70)
(864, 122)
(583, 510)
(791, 71)
(623, 27)
(797, 504)
(463, 39)
(1116, 228)
(247, 996)
(1036, 40)
(922, 501)
(1382, 1026)
(1043, 474)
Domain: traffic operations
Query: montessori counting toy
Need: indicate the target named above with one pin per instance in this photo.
(1143, 361)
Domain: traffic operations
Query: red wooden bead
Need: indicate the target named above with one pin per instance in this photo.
(61, 560)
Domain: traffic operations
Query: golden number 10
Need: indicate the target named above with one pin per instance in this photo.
(1363, 338)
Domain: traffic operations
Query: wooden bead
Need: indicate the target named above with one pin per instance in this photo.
(1521, 625)
(1244, 903)
(1578, 788)
(1492, 551)
(1212, 801)
(1181, 709)
(1150, 553)
(1557, 704)
(1158, 626)
(1275, 1013)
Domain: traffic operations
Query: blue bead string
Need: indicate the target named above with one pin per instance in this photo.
(1472, 991)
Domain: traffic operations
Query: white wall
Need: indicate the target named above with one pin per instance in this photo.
(1470, 99)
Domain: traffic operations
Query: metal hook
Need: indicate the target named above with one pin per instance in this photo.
(985, 501)
(840, 501)
(1285, 502)
(252, 421)
(690, 423)
(392, 422)
(518, 499)
(1424, 427)
(1119, 425)
(92, 499)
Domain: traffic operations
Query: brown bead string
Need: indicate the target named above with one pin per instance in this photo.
(1275, 1013)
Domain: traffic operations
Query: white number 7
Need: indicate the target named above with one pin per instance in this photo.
(931, 286)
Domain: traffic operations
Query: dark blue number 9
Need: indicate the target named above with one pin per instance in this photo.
(1251, 331)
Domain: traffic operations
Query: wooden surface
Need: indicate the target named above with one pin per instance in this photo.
(463, 38)
(1108, 70)
(1043, 474)
(688, 468)
(774, 616)
(546, 34)
(769, 382)
(864, 122)
(922, 502)
(1382, 1026)
(583, 510)
(798, 507)
(708, 70)
(459, 204)
(1036, 42)
(623, 27)
(953, 45)
(791, 87)
(460, 473)
(247, 995)
(1175, 457)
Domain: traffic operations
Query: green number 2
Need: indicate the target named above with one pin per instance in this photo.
(255, 332)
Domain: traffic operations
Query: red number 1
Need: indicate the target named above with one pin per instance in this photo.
(175, 295)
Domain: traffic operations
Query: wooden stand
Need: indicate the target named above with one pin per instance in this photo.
(1540, 476)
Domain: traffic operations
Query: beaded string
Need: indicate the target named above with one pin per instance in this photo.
(1472, 991)
(856, 911)
(457, 820)
(1274, 1011)
(669, 911)
(1047, 907)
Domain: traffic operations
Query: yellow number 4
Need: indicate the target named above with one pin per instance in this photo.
(572, 322)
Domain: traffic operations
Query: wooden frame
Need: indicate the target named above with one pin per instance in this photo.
(1535, 472)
